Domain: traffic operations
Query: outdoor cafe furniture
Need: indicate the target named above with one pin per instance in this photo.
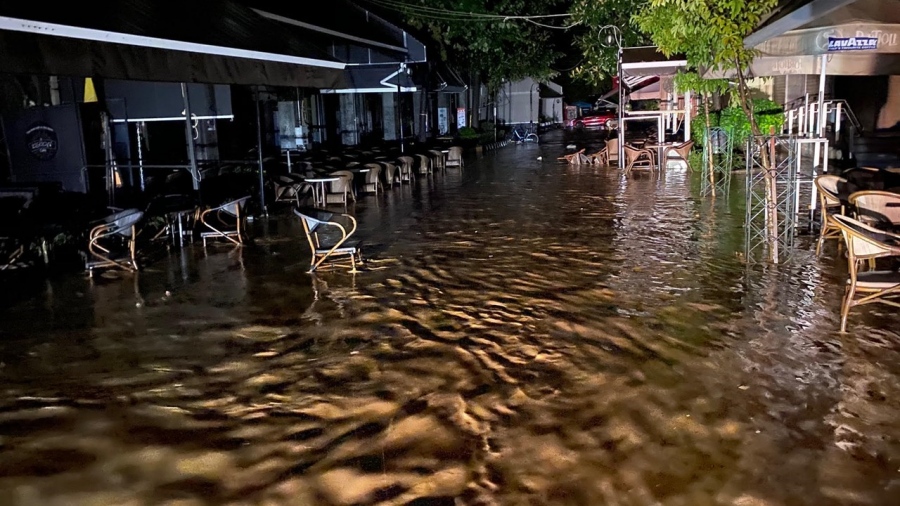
(600, 157)
(681, 151)
(455, 157)
(405, 163)
(179, 211)
(391, 173)
(829, 203)
(340, 189)
(289, 188)
(319, 190)
(612, 150)
(437, 159)
(879, 209)
(329, 239)
(373, 178)
(867, 243)
(424, 164)
(638, 158)
(226, 221)
(112, 242)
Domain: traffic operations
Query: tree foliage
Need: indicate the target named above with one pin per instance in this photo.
(600, 57)
(710, 33)
(493, 49)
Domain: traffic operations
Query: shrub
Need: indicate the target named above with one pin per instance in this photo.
(767, 113)
(468, 133)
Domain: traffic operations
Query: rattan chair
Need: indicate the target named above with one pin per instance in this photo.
(612, 150)
(391, 174)
(226, 221)
(681, 151)
(405, 164)
(455, 157)
(638, 158)
(867, 243)
(424, 164)
(437, 159)
(879, 209)
(329, 240)
(112, 242)
(600, 157)
(373, 179)
(572, 158)
(830, 203)
(340, 191)
(290, 188)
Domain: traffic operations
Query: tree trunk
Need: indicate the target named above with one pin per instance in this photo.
(708, 146)
(475, 106)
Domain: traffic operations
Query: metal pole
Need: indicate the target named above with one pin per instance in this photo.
(259, 155)
(621, 126)
(397, 107)
(140, 152)
(189, 131)
(820, 131)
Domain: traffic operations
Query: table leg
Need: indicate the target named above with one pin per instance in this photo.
(180, 231)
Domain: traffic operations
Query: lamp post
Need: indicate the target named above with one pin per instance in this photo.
(614, 36)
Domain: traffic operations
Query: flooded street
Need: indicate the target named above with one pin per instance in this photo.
(530, 333)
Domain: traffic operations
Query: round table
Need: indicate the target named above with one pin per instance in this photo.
(318, 186)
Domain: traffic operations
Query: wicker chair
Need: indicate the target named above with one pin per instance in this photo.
(455, 157)
(879, 209)
(340, 191)
(437, 159)
(612, 150)
(329, 240)
(681, 151)
(867, 243)
(830, 203)
(424, 164)
(405, 163)
(290, 188)
(112, 242)
(638, 158)
(373, 178)
(391, 174)
(225, 222)
(600, 157)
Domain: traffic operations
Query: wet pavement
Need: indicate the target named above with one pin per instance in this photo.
(529, 333)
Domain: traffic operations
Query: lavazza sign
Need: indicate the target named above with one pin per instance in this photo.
(852, 43)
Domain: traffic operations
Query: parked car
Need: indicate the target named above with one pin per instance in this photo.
(598, 119)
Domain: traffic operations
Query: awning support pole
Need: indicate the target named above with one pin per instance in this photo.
(189, 132)
(620, 131)
(259, 155)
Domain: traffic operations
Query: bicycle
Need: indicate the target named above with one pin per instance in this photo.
(521, 135)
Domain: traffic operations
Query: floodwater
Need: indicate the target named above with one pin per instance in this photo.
(530, 333)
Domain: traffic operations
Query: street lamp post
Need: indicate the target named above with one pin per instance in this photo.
(614, 36)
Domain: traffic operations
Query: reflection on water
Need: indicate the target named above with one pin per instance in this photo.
(539, 334)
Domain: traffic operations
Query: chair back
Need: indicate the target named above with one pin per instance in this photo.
(612, 148)
(827, 185)
(344, 184)
(683, 149)
(424, 164)
(312, 218)
(454, 157)
(121, 222)
(235, 207)
(877, 206)
(390, 172)
(406, 164)
(374, 174)
(865, 242)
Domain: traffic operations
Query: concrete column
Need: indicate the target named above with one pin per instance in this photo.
(347, 120)
(389, 116)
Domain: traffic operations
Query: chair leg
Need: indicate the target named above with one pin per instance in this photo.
(845, 306)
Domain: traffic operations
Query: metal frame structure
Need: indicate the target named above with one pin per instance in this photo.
(783, 170)
(723, 159)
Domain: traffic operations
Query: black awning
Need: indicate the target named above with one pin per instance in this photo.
(378, 79)
(192, 41)
(350, 33)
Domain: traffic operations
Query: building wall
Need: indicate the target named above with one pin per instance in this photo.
(518, 102)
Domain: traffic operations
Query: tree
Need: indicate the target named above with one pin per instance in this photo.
(491, 41)
(600, 59)
(710, 33)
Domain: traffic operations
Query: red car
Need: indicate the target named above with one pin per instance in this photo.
(598, 119)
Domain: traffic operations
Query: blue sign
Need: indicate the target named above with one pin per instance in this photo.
(852, 43)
